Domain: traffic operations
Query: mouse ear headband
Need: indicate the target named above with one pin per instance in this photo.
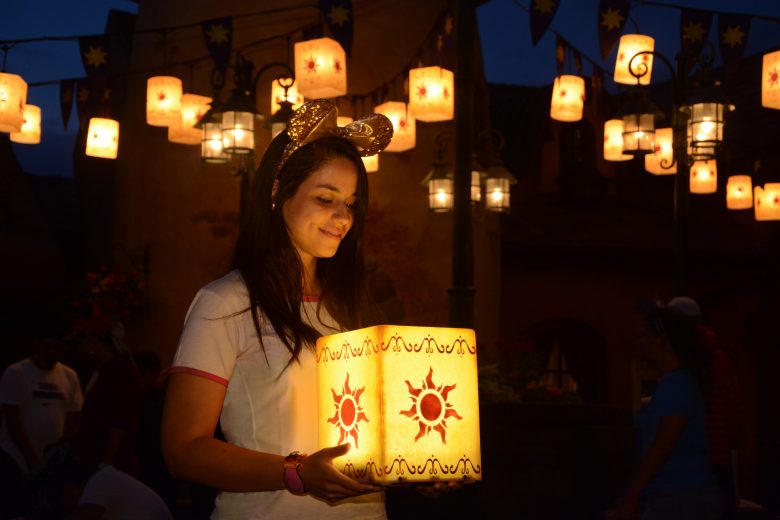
(317, 119)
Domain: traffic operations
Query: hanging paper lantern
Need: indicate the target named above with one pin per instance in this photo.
(103, 138)
(163, 100)
(630, 46)
(767, 201)
(184, 131)
(320, 68)
(371, 162)
(405, 398)
(613, 141)
(277, 95)
(13, 97)
(404, 128)
(739, 192)
(770, 81)
(704, 177)
(568, 98)
(31, 127)
(661, 162)
(431, 94)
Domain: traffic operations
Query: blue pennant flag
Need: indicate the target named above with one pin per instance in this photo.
(95, 57)
(218, 35)
(338, 15)
(541, 14)
(694, 29)
(83, 94)
(733, 32)
(66, 101)
(612, 16)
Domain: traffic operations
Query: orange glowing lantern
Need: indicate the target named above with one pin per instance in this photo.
(404, 127)
(739, 192)
(320, 68)
(704, 177)
(568, 98)
(103, 138)
(405, 398)
(184, 131)
(277, 94)
(770, 80)
(163, 100)
(31, 127)
(371, 162)
(613, 141)
(13, 97)
(767, 201)
(628, 56)
(661, 162)
(431, 94)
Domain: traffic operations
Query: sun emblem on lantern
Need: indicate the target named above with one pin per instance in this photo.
(348, 411)
(774, 78)
(311, 64)
(337, 65)
(162, 95)
(403, 124)
(422, 92)
(430, 407)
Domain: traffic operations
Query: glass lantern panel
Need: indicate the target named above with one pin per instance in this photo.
(497, 194)
(440, 194)
(211, 145)
(238, 134)
(476, 186)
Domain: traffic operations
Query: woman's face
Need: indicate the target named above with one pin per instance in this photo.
(319, 215)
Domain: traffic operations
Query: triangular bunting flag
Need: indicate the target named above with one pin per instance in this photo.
(541, 14)
(733, 32)
(612, 18)
(577, 60)
(218, 35)
(83, 95)
(95, 57)
(66, 101)
(694, 29)
(560, 54)
(339, 17)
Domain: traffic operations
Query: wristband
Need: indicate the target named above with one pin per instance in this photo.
(292, 473)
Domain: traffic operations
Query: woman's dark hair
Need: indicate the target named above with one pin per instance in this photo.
(684, 338)
(269, 263)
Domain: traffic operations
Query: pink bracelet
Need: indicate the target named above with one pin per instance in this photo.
(292, 473)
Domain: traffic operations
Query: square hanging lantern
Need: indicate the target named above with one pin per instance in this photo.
(404, 127)
(406, 399)
(163, 100)
(439, 184)
(661, 161)
(770, 80)
(278, 94)
(613, 141)
(568, 98)
(30, 132)
(103, 138)
(184, 131)
(739, 192)
(767, 201)
(704, 177)
(320, 68)
(431, 94)
(13, 97)
(631, 67)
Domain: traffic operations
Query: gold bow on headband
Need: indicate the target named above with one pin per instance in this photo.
(317, 119)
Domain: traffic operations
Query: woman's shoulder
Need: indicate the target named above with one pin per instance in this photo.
(229, 288)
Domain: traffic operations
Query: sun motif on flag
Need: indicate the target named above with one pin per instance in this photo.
(774, 78)
(96, 56)
(693, 32)
(543, 6)
(338, 15)
(422, 92)
(349, 412)
(611, 19)
(311, 64)
(733, 36)
(430, 407)
(218, 34)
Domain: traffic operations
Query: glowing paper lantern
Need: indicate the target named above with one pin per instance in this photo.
(568, 98)
(371, 163)
(183, 131)
(13, 97)
(613, 141)
(770, 80)
(404, 127)
(661, 162)
(103, 138)
(277, 95)
(320, 68)
(163, 100)
(431, 94)
(31, 127)
(704, 177)
(767, 201)
(405, 398)
(739, 192)
(630, 46)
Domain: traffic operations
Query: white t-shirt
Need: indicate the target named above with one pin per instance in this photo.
(267, 408)
(44, 398)
(123, 497)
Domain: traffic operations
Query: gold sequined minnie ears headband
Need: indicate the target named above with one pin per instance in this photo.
(317, 119)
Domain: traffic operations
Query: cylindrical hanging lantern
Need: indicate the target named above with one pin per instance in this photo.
(103, 138)
(320, 68)
(661, 162)
(238, 132)
(431, 94)
(184, 131)
(371, 162)
(404, 127)
(770, 80)
(642, 66)
(277, 95)
(13, 97)
(568, 98)
(739, 192)
(767, 201)
(704, 177)
(31, 127)
(163, 100)
(613, 141)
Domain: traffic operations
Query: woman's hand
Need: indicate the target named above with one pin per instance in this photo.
(322, 479)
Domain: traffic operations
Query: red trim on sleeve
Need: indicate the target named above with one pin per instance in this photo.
(307, 298)
(199, 373)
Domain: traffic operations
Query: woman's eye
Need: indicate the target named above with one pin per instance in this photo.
(323, 200)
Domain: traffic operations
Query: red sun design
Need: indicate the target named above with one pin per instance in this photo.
(774, 78)
(422, 92)
(311, 64)
(430, 407)
(348, 411)
(337, 65)
(402, 124)
(161, 95)
(446, 93)
(563, 93)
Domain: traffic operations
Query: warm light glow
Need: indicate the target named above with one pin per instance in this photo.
(343, 120)
(767, 201)
(704, 177)
(320, 68)
(277, 96)
(659, 162)
(238, 135)
(770, 80)
(440, 195)
(405, 398)
(630, 46)
(103, 138)
(13, 97)
(613, 141)
(705, 129)
(568, 98)
(211, 144)
(31, 127)
(371, 163)
(163, 100)
(431, 94)
(183, 131)
(639, 133)
(404, 126)
(739, 192)
(497, 193)
(476, 186)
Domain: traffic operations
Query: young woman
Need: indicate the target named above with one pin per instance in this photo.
(246, 355)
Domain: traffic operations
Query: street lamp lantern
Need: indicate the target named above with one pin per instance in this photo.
(211, 149)
(639, 114)
(497, 183)
(706, 105)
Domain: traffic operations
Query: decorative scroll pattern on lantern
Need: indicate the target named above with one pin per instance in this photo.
(568, 98)
(277, 96)
(30, 132)
(661, 162)
(770, 80)
(739, 192)
(103, 138)
(704, 177)
(183, 131)
(404, 126)
(13, 97)
(767, 201)
(642, 66)
(320, 68)
(431, 94)
(613, 141)
(424, 381)
(163, 100)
